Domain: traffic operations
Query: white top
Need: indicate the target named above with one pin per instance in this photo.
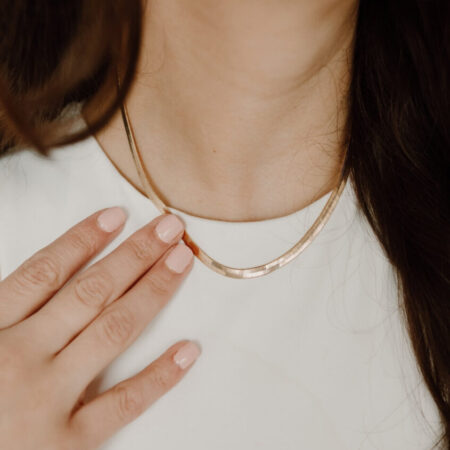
(313, 356)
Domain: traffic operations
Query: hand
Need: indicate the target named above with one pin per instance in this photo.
(60, 327)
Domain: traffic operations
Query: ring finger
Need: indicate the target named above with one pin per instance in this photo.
(87, 294)
(123, 321)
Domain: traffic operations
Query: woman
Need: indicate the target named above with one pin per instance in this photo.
(249, 116)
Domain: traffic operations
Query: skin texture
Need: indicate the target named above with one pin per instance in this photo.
(238, 99)
(244, 101)
(46, 328)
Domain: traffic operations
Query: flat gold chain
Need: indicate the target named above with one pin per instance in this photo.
(222, 269)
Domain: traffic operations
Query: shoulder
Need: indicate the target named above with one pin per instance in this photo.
(25, 171)
(19, 170)
(36, 196)
(26, 175)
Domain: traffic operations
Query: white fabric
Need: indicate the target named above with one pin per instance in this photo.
(313, 356)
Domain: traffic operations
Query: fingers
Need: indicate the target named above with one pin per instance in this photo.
(88, 293)
(107, 413)
(122, 321)
(45, 272)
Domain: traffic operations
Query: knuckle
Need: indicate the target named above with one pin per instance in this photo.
(11, 362)
(143, 249)
(84, 240)
(162, 377)
(72, 437)
(117, 325)
(39, 270)
(158, 284)
(129, 401)
(93, 288)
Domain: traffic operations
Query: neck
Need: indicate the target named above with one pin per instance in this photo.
(236, 100)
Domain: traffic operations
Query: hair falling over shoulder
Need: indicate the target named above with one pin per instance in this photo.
(56, 54)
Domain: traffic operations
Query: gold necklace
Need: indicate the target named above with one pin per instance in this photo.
(232, 272)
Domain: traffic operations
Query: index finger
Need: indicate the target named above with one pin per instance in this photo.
(38, 278)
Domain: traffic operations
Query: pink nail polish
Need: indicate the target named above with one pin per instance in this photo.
(187, 354)
(179, 258)
(111, 219)
(169, 227)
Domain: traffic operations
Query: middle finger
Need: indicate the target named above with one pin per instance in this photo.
(119, 325)
(84, 297)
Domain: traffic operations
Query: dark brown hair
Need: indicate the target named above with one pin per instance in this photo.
(53, 54)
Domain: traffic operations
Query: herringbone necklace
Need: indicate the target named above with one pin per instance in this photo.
(222, 269)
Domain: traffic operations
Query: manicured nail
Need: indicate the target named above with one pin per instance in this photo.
(187, 354)
(111, 219)
(179, 258)
(169, 227)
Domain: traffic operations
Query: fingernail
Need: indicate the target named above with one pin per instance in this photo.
(111, 219)
(169, 227)
(179, 258)
(187, 354)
